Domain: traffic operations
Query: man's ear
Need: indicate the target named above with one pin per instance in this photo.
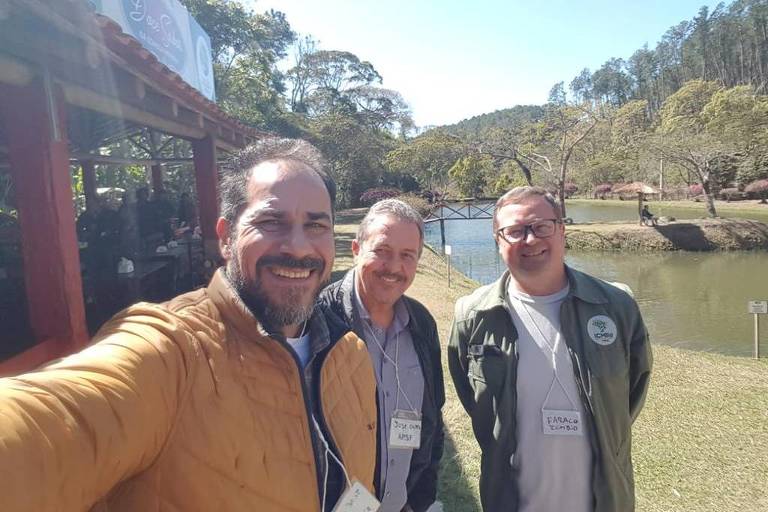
(355, 248)
(223, 232)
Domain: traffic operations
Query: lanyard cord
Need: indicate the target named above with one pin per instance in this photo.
(553, 351)
(328, 451)
(394, 363)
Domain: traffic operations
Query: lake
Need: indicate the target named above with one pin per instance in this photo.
(691, 300)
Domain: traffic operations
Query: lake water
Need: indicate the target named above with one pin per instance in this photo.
(690, 300)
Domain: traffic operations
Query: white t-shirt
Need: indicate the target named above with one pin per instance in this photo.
(554, 472)
(302, 348)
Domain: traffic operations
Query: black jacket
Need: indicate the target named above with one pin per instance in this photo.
(421, 483)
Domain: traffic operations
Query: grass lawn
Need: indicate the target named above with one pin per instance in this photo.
(701, 443)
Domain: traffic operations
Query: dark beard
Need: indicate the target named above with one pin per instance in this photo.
(272, 315)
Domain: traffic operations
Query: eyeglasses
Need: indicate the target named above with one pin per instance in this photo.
(543, 228)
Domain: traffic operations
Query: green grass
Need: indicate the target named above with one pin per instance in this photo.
(700, 444)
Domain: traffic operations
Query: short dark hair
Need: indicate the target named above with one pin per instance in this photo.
(519, 194)
(396, 209)
(233, 189)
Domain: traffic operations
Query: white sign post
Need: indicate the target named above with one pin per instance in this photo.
(757, 307)
(448, 250)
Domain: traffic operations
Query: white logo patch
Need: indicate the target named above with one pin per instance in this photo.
(601, 329)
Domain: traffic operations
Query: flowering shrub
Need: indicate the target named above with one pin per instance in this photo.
(603, 188)
(570, 189)
(696, 189)
(420, 204)
(758, 188)
(373, 195)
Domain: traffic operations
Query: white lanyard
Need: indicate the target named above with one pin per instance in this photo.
(555, 422)
(394, 362)
(405, 426)
(536, 332)
(356, 498)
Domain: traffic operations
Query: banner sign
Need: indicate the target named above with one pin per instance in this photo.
(165, 28)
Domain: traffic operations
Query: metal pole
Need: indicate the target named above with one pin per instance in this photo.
(757, 336)
(449, 270)
(442, 231)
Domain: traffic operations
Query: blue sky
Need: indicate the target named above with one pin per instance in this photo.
(455, 59)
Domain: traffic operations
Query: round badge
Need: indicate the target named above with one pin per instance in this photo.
(602, 330)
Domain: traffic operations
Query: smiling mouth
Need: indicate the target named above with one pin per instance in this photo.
(290, 273)
(534, 254)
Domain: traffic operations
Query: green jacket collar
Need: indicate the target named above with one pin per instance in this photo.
(581, 287)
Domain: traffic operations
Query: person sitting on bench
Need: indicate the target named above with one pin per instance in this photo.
(646, 216)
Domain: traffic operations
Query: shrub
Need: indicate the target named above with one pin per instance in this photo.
(569, 189)
(696, 189)
(758, 188)
(420, 204)
(731, 194)
(373, 195)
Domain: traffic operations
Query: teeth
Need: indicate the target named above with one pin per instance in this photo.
(291, 273)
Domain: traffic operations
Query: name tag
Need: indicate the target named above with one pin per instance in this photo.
(562, 423)
(405, 430)
(357, 499)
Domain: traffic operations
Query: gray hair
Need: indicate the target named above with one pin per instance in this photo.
(233, 192)
(518, 195)
(396, 209)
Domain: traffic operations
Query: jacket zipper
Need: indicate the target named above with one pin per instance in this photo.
(308, 410)
(590, 412)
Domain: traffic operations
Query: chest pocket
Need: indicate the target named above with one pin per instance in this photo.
(487, 365)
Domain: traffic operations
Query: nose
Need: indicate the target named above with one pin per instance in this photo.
(528, 236)
(296, 243)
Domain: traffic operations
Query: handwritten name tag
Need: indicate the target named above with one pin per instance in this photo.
(357, 499)
(405, 430)
(562, 423)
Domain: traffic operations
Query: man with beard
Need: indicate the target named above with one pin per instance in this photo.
(405, 350)
(237, 397)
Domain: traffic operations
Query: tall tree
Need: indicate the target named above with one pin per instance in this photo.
(246, 47)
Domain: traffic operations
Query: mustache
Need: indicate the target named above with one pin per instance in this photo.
(307, 262)
(390, 275)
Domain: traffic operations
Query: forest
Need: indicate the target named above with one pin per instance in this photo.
(689, 115)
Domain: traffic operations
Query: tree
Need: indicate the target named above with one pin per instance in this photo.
(246, 47)
(469, 174)
(428, 157)
(683, 138)
(563, 128)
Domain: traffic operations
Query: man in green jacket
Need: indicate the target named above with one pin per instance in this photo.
(552, 365)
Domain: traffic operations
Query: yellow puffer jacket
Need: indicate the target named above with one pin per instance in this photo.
(187, 406)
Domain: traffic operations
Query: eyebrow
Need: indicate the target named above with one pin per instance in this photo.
(318, 216)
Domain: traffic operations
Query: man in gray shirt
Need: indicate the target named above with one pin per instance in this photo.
(404, 347)
(553, 366)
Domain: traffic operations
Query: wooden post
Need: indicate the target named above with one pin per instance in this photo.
(206, 180)
(156, 171)
(89, 182)
(757, 336)
(39, 158)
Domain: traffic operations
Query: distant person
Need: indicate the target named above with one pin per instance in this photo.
(144, 212)
(162, 210)
(646, 216)
(244, 396)
(553, 366)
(402, 341)
(187, 212)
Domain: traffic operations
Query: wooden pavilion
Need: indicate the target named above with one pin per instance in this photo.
(71, 81)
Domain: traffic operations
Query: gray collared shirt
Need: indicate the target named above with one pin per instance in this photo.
(397, 343)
